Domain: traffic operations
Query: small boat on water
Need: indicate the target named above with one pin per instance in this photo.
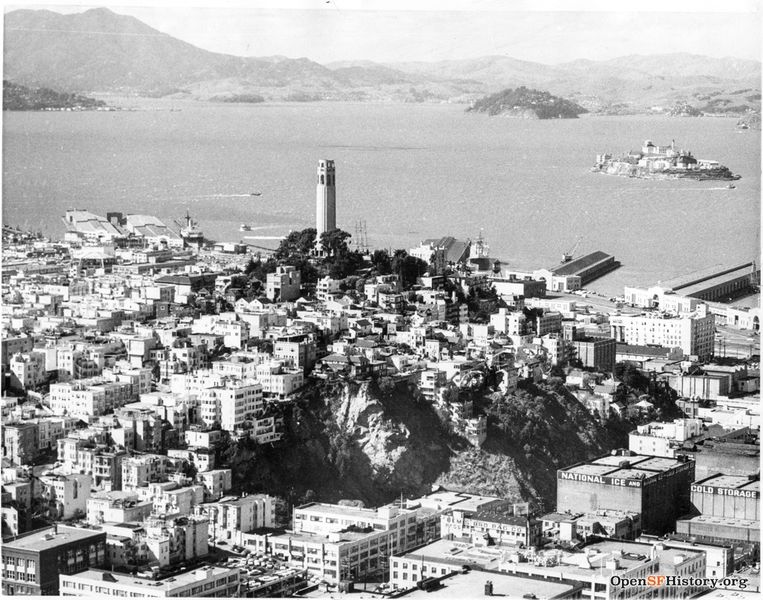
(731, 186)
(256, 194)
(245, 227)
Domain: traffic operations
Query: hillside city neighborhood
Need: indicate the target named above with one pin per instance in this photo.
(138, 360)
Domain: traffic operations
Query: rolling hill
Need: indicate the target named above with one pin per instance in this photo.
(101, 51)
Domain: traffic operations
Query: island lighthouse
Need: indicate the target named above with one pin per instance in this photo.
(325, 198)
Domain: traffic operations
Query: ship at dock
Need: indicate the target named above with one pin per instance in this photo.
(662, 162)
(191, 233)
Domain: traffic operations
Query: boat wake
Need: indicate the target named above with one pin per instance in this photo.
(261, 227)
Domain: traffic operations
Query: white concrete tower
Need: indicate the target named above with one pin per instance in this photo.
(325, 198)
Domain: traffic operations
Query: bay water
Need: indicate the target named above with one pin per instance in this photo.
(409, 171)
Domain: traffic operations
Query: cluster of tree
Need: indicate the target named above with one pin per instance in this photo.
(19, 97)
(659, 393)
(544, 419)
(339, 261)
(482, 303)
(542, 103)
(336, 259)
(408, 268)
(241, 98)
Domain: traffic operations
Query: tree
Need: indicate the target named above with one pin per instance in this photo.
(408, 268)
(258, 270)
(250, 267)
(381, 261)
(189, 470)
(297, 244)
(334, 242)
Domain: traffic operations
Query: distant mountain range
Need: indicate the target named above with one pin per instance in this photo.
(100, 51)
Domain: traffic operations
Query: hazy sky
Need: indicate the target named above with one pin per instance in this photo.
(548, 31)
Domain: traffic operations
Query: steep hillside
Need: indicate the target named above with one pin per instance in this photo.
(373, 443)
(99, 50)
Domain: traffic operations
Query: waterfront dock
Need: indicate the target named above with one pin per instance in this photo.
(588, 267)
(717, 283)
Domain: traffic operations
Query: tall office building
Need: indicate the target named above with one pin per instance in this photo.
(325, 198)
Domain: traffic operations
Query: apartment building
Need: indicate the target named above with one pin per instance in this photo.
(693, 333)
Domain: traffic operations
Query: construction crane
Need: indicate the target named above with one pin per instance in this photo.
(567, 256)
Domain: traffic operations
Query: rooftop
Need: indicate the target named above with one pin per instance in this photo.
(348, 512)
(593, 559)
(46, 538)
(736, 482)
(457, 500)
(458, 554)
(572, 267)
(344, 536)
(725, 521)
(176, 581)
(702, 276)
(638, 466)
(643, 350)
(472, 584)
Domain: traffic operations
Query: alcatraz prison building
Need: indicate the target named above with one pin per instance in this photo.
(656, 487)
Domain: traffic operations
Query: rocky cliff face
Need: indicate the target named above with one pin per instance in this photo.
(362, 441)
(395, 438)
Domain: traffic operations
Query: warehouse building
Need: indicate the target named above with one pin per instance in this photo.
(729, 496)
(656, 487)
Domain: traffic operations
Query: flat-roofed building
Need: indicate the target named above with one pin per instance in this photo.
(655, 487)
(735, 452)
(704, 387)
(284, 284)
(337, 542)
(721, 530)
(204, 582)
(660, 297)
(596, 353)
(719, 561)
(117, 507)
(446, 569)
(229, 518)
(19, 442)
(570, 527)
(491, 521)
(604, 568)
(694, 333)
(728, 496)
(32, 562)
(663, 439)
(65, 496)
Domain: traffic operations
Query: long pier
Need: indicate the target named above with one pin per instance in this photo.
(588, 267)
(716, 283)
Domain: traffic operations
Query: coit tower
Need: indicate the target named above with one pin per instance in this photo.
(325, 198)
